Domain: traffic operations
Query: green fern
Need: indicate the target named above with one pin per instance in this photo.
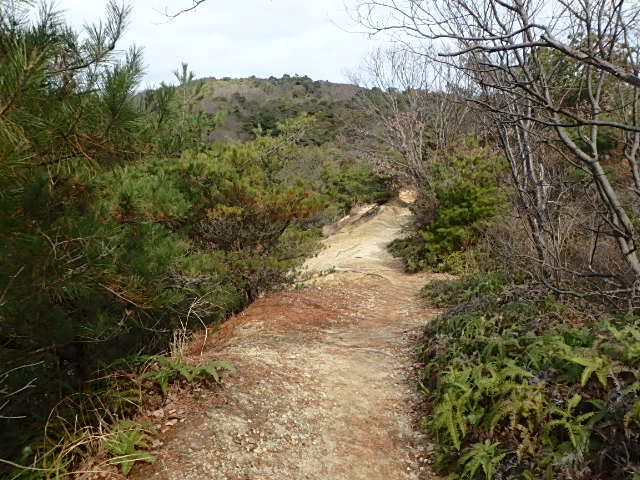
(628, 339)
(465, 391)
(527, 475)
(482, 456)
(632, 415)
(449, 414)
(594, 364)
(212, 369)
(524, 407)
(127, 442)
(577, 431)
(168, 369)
(506, 367)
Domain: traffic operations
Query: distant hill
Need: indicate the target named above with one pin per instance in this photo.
(260, 103)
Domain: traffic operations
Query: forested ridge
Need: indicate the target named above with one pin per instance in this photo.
(130, 218)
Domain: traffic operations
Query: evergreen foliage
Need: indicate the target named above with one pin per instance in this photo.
(173, 122)
(466, 193)
(134, 252)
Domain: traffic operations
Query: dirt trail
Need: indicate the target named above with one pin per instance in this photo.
(323, 388)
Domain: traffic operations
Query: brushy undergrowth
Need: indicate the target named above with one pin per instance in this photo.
(99, 423)
(462, 196)
(520, 386)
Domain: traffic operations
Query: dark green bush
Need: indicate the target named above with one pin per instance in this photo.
(122, 257)
(467, 196)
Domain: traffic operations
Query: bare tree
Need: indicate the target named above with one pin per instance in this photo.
(558, 79)
(409, 108)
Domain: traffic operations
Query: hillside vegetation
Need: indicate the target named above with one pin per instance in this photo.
(256, 104)
(122, 229)
(130, 218)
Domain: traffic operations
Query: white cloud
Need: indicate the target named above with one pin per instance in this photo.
(239, 38)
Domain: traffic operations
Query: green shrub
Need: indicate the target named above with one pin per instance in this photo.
(517, 391)
(106, 263)
(122, 253)
(467, 196)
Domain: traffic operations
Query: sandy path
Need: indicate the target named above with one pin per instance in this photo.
(323, 388)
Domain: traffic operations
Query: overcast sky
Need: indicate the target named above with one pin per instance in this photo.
(239, 38)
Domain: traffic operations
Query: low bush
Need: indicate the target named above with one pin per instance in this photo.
(523, 386)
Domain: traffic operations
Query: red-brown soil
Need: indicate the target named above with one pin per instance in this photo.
(324, 384)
